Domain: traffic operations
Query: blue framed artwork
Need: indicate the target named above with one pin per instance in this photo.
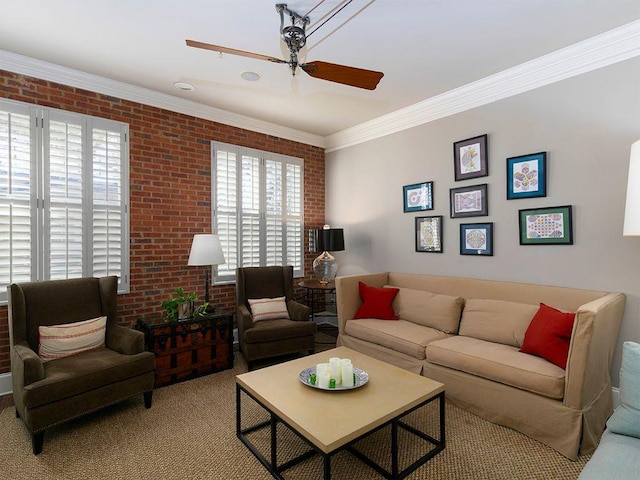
(476, 239)
(527, 176)
(418, 197)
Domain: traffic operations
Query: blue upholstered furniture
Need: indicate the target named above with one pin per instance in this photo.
(618, 454)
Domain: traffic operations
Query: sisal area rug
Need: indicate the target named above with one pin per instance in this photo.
(189, 433)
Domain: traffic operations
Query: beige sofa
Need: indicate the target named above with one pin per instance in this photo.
(466, 333)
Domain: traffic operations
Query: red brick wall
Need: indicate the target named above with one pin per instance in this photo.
(170, 190)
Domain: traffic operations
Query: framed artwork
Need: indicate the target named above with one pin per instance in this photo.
(476, 239)
(546, 226)
(470, 158)
(418, 197)
(429, 234)
(469, 201)
(527, 176)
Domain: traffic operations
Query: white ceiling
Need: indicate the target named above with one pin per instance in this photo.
(424, 48)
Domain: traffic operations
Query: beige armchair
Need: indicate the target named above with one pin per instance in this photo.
(48, 393)
(274, 337)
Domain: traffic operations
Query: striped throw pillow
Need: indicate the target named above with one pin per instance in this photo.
(57, 341)
(268, 308)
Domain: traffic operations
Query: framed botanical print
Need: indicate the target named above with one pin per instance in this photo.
(418, 197)
(546, 226)
(429, 234)
(470, 158)
(469, 201)
(527, 176)
(476, 239)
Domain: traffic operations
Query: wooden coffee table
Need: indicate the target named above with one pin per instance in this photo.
(332, 421)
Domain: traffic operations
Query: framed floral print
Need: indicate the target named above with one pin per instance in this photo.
(470, 158)
(429, 234)
(469, 201)
(546, 226)
(476, 239)
(418, 197)
(527, 176)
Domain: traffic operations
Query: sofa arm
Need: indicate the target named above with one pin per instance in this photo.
(298, 311)
(26, 365)
(348, 294)
(593, 342)
(124, 340)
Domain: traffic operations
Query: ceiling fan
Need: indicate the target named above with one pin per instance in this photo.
(295, 37)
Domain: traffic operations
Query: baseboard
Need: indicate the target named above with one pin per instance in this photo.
(5, 384)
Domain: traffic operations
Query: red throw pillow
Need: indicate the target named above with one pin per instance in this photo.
(376, 302)
(549, 334)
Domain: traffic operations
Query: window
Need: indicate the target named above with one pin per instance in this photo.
(63, 196)
(257, 209)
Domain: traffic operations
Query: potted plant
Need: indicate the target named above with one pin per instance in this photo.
(181, 306)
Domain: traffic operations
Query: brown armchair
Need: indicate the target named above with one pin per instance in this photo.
(48, 393)
(271, 338)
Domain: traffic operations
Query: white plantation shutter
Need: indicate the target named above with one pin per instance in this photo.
(17, 194)
(63, 196)
(257, 205)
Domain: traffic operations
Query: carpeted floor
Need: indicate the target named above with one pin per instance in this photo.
(189, 433)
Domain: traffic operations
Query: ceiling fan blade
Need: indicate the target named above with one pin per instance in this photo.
(356, 77)
(233, 51)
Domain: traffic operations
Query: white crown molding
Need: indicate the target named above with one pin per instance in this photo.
(21, 64)
(614, 46)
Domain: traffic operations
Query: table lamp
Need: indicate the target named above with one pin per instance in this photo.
(326, 240)
(632, 207)
(206, 250)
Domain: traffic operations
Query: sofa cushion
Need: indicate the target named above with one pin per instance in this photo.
(58, 341)
(549, 334)
(376, 302)
(401, 335)
(429, 309)
(496, 320)
(500, 363)
(278, 329)
(626, 418)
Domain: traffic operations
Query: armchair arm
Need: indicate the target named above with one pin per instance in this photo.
(27, 367)
(298, 311)
(124, 340)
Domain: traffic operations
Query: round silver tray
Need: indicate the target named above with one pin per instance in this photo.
(362, 377)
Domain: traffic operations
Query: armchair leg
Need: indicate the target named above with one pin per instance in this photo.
(148, 397)
(17, 414)
(37, 440)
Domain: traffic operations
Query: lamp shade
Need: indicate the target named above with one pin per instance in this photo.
(326, 240)
(206, 250)
(632, 207)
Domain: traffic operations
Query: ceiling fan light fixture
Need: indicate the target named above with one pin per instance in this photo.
(250, 76)
(184, 86)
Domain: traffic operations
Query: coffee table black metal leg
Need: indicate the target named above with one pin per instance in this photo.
(327, 467)
(274, 443)
(394, 449)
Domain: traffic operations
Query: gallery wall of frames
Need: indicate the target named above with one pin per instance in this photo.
(526, 178)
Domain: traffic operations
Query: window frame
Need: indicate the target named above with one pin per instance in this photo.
(40, 201)
(263, 156)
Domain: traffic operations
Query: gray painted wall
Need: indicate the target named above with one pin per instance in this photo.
(586, 125)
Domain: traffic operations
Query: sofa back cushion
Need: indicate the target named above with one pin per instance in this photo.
(428, 309)
(496, 320)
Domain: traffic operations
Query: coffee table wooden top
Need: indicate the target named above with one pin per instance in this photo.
(330, 419)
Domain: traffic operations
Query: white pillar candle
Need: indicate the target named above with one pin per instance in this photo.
(320, 368)
(323, 379)
(347, 374)
(336, 374)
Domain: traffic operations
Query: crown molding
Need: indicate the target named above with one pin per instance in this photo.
(614, 46)
(610, 47)
(32, 67)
